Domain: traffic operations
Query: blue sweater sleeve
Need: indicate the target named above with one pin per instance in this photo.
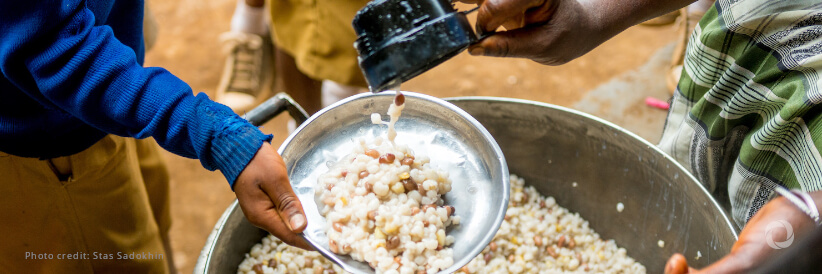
(52, 51)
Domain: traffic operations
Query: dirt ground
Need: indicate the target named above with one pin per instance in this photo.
(611, 82)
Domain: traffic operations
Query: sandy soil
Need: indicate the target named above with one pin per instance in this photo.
(611, 82)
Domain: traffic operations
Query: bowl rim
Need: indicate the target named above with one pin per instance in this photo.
(487, 138)
(734, 229)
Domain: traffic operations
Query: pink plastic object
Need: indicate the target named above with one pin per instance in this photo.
(653, 102)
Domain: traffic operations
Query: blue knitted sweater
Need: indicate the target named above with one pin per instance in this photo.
(72, 73)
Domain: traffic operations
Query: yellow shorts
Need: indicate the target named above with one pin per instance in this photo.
(320, 37)
(110, 214)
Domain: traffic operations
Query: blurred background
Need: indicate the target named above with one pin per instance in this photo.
(611, 82)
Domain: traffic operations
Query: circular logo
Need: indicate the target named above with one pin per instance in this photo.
(769, 230)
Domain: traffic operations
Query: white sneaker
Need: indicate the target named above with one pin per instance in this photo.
(333, 92)
(291, 126)
(248, 70)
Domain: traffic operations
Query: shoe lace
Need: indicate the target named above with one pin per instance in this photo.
(247, 52)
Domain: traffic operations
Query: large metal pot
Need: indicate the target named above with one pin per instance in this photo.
(589, 166)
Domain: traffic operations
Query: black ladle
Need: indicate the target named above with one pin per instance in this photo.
(400, 39)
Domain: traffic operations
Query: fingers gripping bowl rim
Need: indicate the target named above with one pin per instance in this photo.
(452, 139)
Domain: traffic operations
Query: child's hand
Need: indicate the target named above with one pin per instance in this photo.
(267, 199)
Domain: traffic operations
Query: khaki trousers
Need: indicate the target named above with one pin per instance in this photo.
(104, 209)
(319, 35)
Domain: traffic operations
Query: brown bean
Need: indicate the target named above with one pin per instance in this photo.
(587, 268)
(409, 185)
(258, 268)
(415, 210)
(464, 269)
(408, 160)
(369, 187)
(372, 215)
(308, 263)
(333, 246)
(329, 186)
(398, 260)
(493, 246)
(538, 240)
(373, 153)
(507, 217)
(363, 174)
(561, 241)
(426, 207)
(571, 242)
(272, 263)
(399, 99)
(425, 223)
(551, 252)
(420, 271)
(393, 242)
(542, 204)
(449, 210)
(511, 258)
(524, 197)
(337, 226)
(387, 158)
(344, 173)
(439, 247)
(487, 257)
(318, 269)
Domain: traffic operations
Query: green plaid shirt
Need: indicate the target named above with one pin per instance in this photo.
(745, 118)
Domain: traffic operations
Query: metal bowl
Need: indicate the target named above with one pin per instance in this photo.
(453, 141)
(552, 148)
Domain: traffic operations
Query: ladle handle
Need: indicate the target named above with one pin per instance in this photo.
(274, 106)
